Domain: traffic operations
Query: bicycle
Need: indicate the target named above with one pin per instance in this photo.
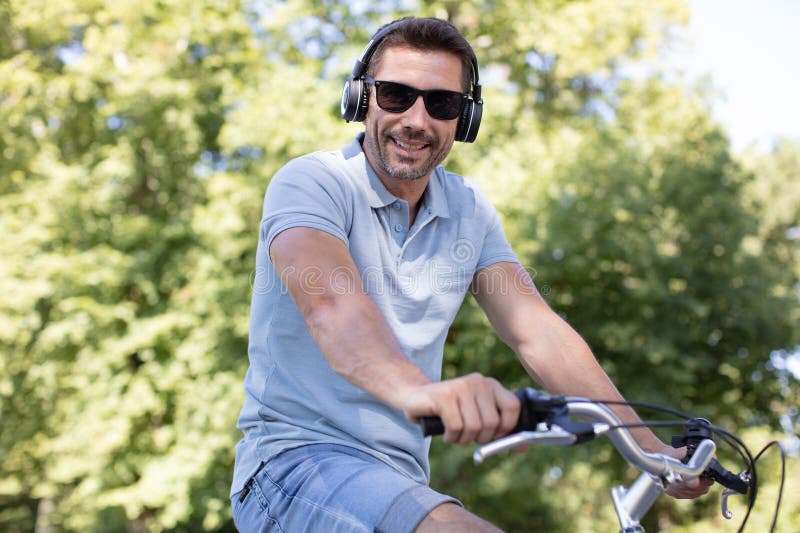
(546, 419)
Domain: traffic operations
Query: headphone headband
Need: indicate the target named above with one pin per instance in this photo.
(360, 67)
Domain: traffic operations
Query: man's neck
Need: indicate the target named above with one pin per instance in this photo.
(409, 190)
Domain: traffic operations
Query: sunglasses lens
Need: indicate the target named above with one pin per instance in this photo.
(395, 97)
(444, 105)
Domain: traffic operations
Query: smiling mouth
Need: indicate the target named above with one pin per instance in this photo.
(410, 147)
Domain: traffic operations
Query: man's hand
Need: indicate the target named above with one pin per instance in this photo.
(473, 408)
(688, 489)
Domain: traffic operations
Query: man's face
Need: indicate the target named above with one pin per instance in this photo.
(408, 145)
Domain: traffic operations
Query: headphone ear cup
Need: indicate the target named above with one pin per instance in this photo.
(469, 122)
(355, 100)
(363, 104)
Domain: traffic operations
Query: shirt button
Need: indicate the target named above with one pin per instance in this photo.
(396, 205)
(398, 228)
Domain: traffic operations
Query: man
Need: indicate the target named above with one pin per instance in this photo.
(364, 257)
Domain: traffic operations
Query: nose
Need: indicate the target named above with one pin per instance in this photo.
(416, 115)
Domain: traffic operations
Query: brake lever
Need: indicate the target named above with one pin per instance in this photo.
(555, 435)
(745, 478)
(697, 430)
(726, 514)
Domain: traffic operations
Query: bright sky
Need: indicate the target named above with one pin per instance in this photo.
(751, 50)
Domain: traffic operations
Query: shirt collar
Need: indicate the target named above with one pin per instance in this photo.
(435, 197)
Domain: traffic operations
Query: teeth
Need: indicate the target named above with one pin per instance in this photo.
(408, 147)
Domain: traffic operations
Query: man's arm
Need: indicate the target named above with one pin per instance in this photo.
(552, 352)
(355, 339)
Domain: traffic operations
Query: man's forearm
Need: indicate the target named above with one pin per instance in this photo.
(347, 326)
(562, 348)
(359, 345)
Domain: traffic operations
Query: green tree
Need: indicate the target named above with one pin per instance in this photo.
(125, 308)
(775, 196)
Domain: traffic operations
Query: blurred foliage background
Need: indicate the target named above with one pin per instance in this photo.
(136, 142)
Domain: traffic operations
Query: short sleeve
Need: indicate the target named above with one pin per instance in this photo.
(306, 193)
(496, 247)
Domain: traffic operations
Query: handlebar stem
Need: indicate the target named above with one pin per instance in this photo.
(633, 503)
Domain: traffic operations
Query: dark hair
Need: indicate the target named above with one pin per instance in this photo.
(430, 34)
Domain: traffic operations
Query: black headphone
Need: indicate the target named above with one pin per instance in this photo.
(355, 95)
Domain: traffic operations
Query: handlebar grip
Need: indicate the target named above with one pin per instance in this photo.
(431, 425)
(725, 477)
(535, 407)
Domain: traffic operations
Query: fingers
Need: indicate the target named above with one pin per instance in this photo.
(474, 417)
(473, 408)
(509, 409)
(489, 410)
(690, 489)
(686, 489)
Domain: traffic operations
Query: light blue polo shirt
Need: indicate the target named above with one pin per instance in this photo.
(418, 277)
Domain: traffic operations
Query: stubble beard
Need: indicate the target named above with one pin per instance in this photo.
(407, 169)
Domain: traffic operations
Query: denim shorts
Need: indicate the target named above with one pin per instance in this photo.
(331, 488)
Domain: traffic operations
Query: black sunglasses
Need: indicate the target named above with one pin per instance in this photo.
(395, 97)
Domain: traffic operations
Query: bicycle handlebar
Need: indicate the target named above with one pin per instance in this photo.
(553, 412)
